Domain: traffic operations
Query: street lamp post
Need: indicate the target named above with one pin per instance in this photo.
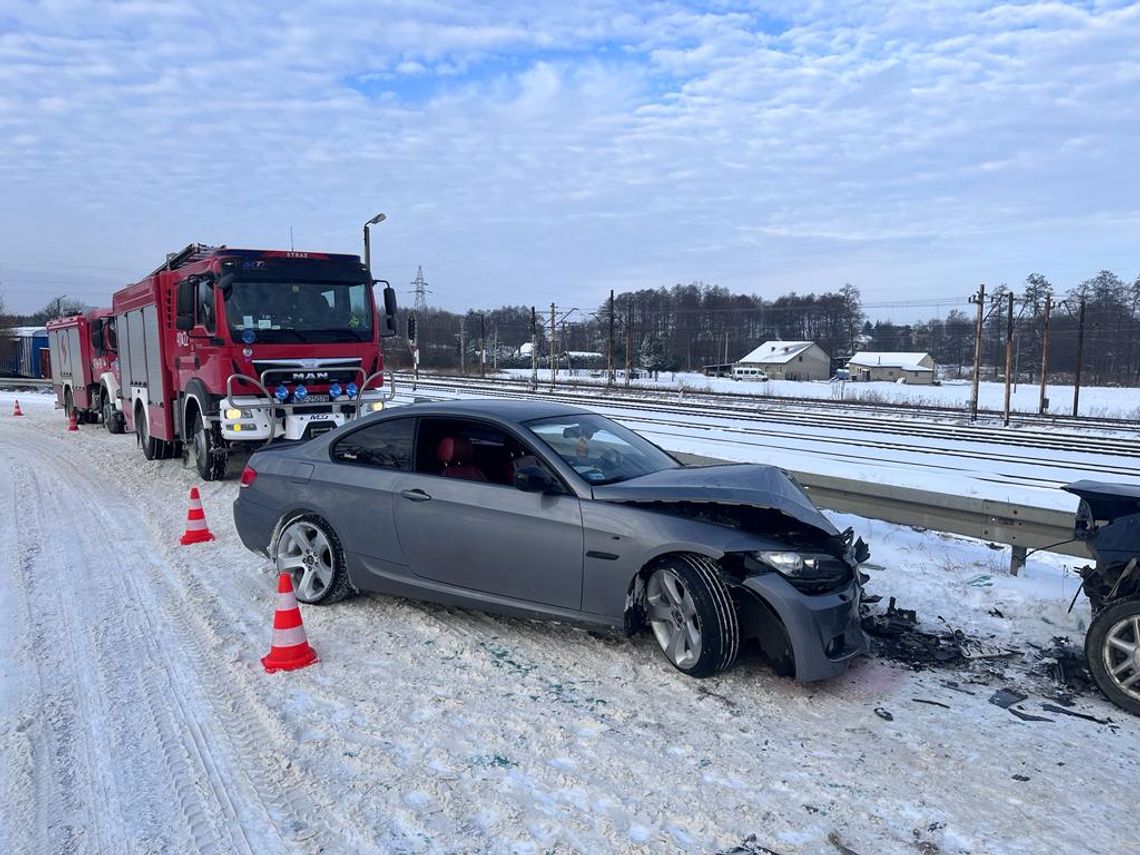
(379, 218)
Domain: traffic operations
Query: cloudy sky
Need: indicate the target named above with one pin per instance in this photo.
(554, 150)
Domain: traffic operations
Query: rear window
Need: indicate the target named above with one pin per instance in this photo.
(386, 444)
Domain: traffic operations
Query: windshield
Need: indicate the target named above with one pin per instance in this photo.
(599, 450)
(298, 311)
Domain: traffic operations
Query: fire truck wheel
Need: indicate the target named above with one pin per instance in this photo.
(150, 446)
(210, 466)
(1112, 648)
(311, 553)
(112, 419)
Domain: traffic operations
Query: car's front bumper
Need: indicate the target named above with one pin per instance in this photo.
(823, 630)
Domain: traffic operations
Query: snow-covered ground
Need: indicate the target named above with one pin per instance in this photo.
(135, 716)
(1098, 401)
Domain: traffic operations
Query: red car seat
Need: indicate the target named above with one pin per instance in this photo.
(455, 453)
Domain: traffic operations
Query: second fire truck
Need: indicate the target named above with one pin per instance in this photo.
(84, 368)
(225, 349)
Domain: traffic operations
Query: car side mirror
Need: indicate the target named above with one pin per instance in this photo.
(533, 479)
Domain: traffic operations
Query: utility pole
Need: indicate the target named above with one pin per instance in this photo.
(628, 337)
(553, 341)
(463, 345)
(1080, 357)
(1043, 405)
(610, 350)
(1008, 356)
(980, 299)
(495, 348)
(483, 346)
(533, 349)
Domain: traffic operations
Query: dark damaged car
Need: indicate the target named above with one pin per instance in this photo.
(547, 511)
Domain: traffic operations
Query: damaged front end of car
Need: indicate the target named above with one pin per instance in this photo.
(794, 578)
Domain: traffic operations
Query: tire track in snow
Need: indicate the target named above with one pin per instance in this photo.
(202, 624)
(98, 654)
(132, 647)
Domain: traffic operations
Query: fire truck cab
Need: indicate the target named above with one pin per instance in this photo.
(225, 350)
(85, 367)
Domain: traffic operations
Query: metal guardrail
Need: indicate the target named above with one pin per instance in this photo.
(1021, 527)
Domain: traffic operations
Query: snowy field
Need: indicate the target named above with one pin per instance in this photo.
(135, 716)
(1098, 401)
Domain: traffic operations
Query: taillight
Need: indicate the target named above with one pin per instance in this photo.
(248, 475)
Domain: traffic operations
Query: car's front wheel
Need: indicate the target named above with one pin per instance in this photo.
(1112, 648)
(310, 552)
(691, 614)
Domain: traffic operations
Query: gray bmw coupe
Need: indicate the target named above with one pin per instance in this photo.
(542, 510)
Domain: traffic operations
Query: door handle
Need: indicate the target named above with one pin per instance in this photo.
(415, 495)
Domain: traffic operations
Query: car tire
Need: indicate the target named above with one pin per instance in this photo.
(690, 612)
(1112, 649)
(210, 466)
(308, 549)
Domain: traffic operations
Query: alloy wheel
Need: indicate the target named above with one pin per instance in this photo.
(304, 552)
(673, 617)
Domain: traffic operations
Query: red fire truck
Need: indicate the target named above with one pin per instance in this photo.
(224, 350)
(85, 367)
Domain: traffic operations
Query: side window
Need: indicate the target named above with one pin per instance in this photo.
(470, 450)
(387, 444)
(205, 305)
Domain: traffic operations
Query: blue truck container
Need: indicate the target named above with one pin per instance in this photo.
(25, 359)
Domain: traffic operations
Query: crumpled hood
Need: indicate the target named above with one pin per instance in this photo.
(750, 484)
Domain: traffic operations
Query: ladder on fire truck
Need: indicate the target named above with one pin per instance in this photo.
(193, 252)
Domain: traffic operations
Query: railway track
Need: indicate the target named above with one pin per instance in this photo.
(743, 400)
(1054, 439)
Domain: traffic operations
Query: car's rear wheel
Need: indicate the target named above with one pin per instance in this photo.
(691, 614)
(310, 552)
(1112, 648)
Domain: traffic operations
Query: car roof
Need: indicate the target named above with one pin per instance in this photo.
(511, 410)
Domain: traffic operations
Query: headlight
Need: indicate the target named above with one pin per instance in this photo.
(376, 406)
(788, 563)
(239, 414)
(808, 572)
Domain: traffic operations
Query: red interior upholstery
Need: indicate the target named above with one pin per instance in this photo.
(455, 453)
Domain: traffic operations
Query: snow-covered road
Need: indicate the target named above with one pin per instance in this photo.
(135, 716)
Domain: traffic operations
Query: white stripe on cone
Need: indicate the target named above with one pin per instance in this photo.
(289, 637)
(286, 602)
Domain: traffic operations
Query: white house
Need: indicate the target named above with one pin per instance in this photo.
(785, 360)
(892, 367)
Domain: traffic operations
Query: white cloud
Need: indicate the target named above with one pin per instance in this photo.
(556, 149)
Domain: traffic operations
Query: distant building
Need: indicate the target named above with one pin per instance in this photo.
(915, 368)
(785, 360)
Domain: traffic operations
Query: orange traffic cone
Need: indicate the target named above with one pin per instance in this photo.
(17, 411)
(72, 421)
(290, 649)
(196, 530)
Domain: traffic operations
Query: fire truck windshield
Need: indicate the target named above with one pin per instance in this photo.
(283, 311)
